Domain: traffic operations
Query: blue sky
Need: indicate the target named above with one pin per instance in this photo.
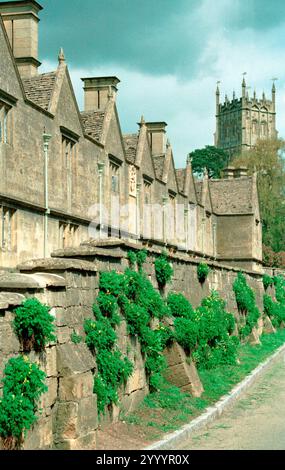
(169, 55)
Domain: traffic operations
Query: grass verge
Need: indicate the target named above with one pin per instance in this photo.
(168, 409)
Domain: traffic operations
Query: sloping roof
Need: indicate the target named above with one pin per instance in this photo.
(131, 142)
(93, 123)
(232, 196)
(158, 163)
(199, 190)
(39, 89)
(180, 176)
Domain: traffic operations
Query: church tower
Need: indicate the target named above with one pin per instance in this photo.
(240, 122)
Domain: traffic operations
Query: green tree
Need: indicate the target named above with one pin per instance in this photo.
(212, 158)
(267, 159)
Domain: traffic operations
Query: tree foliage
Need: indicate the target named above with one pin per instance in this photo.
(212, 158)
(267, 159)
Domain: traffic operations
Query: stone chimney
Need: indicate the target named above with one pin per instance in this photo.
(21, 22)
(157, 137)
(98, 91)
(229, 172)
(240, 172)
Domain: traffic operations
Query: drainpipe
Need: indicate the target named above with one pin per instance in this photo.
(164, 201)
(215, 240)
(100, 170)
(46, 139)
(203, 233)
(138, 211)
(186, 210)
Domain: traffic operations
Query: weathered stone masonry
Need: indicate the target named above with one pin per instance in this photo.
(68, 283)
(49, 200)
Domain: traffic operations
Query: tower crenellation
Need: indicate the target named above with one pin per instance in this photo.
(240, 122)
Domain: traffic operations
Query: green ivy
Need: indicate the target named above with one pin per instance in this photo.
(75, 338)
(205, 332)
(132, 258)
(215, 345)
(186, 333)
(33, 324)
(203, 271)
(276, 310)
(245, 299)
(166, 335)
(163, 270)
(179, 306)
(141, 257)
(112, 282)
(140, 304)
(113, 368)
(267, 281)
(23, 384)
(137, 258)
(108, 305)
(132, 293)
(279, 283)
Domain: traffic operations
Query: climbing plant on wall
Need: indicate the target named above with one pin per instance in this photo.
(203, 271)
(34, 325)
(205, 333)
(276, 310)
(23, 384)
(163, 270)
(101, 338)
(267, 281)
(246, 303)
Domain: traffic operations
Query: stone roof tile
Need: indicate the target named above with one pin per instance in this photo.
(158, 163)
(93, 123)
(39, 89)
(199, 189)
(180, 175)
(131, 142)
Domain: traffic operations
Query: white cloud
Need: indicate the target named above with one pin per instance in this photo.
(188, 106)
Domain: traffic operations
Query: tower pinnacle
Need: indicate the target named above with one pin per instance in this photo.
(61, 57)
(243, 85)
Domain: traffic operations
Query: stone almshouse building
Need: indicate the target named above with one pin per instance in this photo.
(241, 122)
(51, 190)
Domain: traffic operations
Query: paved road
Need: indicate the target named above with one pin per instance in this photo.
(257, 420)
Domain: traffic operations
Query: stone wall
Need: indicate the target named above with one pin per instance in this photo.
(68, 419)
(68, 283)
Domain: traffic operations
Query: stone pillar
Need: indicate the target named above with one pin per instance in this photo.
(75, 418)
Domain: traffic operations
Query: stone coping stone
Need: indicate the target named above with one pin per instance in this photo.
(86, 251)
(49, 279)
(88, 248)
(22, 281)
(57, 264)
(18, 281)
(111, 242)
(10, 298)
